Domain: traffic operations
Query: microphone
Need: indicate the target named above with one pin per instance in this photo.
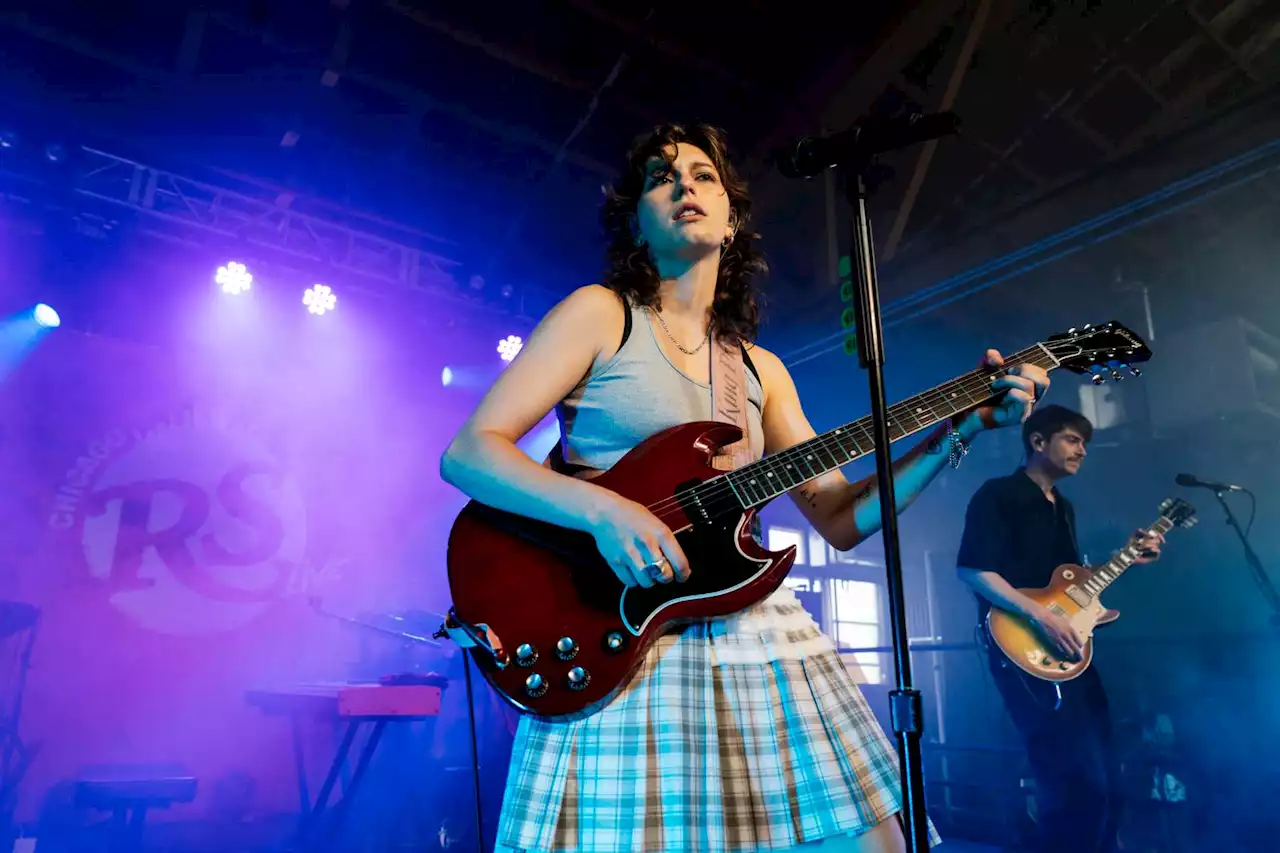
(1193, 481)
(808, 156)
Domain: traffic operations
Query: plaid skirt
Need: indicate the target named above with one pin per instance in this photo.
(741, 734)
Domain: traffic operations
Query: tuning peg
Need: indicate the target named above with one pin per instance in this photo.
(1135, 371)
(1115, 374)
(1098, 379)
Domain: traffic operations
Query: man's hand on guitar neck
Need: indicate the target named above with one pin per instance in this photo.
(1150, 543)
(1057, 630)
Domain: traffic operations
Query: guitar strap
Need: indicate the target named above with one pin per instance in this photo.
(729, 401)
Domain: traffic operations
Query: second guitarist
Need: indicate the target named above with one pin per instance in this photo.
(1018, 529)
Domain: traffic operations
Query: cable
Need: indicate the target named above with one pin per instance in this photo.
(475, 751)
(517, 222)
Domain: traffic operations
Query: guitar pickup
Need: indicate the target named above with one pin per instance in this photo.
(1079, 596)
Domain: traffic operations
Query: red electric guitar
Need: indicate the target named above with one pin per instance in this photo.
(555, 632)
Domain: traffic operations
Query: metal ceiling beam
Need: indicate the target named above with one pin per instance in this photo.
(1077, 94)
(855, 80)
(20, 22)
(1221, 21)
(675, 51)
(416, 98)
(406, 94)
(1245, 127)
(201, 214)
(944, 104)
(192, 40)
(515, 59)
(849, 88)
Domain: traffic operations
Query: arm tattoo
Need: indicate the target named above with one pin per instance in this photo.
(810, 497)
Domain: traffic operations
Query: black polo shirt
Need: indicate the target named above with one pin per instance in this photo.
(1011, 528)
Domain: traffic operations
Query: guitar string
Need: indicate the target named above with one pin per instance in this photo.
(718, 494)
(715, 490)
(1115, 568)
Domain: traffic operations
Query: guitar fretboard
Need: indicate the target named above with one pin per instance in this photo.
(765, 479)
(1110, 571)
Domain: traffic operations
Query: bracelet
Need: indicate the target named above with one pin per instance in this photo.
(957, 447)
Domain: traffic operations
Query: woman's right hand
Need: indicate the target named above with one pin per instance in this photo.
(632, 540)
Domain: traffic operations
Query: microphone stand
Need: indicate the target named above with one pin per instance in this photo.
(905, 707)
(1255, 564)
(852, 150)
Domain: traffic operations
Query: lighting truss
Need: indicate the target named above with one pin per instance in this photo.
(192, 212)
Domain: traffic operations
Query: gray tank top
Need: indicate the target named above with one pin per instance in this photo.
(638, 392)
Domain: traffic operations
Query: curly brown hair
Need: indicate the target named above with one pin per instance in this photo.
(735, 312)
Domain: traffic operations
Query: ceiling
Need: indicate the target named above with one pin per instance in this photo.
(489, 128)
(490, 125)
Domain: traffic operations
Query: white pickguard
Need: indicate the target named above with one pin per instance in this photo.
(1082, 622)
(637, 630)
(1087, 619)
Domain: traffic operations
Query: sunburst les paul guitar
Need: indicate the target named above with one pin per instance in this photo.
(1075, 593)
(557, 635)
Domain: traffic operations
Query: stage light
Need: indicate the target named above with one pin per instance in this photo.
(446, 377)
(319, 298)
(509, 347)
(235, 278)
(46, 316)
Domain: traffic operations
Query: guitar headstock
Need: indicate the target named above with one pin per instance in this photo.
(1101, 351)
(1179, 512)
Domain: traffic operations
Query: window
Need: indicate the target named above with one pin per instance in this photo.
(817, 549)
(780, 538)
(857, 625)
(802, 584)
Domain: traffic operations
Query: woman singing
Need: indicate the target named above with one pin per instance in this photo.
(744, 733)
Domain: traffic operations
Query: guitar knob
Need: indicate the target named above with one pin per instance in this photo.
(566, 648)
(526, 655)
(535, 685)
(614, 641)
(578, 678)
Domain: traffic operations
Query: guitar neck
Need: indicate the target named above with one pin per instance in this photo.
(762, 481)
(1110, 571)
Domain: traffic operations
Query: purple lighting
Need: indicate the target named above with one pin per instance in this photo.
(235, 278)
(509, 347)
(319, 299)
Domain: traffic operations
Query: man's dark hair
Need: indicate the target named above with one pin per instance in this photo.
(1050, 420)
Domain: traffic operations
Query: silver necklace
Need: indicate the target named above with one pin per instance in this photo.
(693, 351)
